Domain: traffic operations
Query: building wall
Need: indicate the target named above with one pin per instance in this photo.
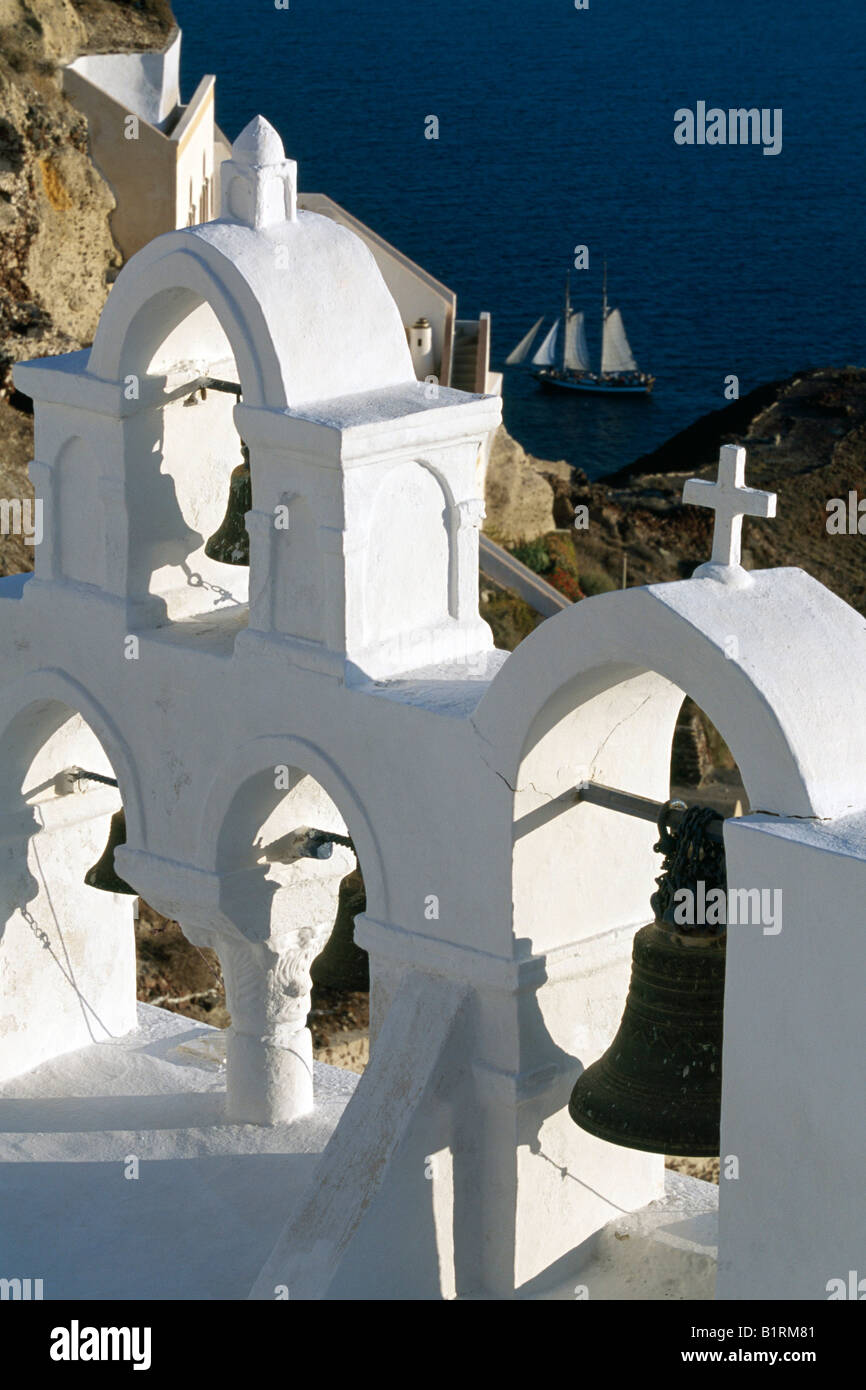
(158, 179)
(148, 82)
(196, 189)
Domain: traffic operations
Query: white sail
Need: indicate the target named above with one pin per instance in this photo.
(524, 345)
(576, 351)
(546, 355)
(615, 352)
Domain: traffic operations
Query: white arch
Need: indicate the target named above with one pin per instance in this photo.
(791, 703)
(304, 307)
(27, 717)
(267, 752)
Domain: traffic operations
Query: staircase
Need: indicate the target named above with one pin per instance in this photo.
(464, 365)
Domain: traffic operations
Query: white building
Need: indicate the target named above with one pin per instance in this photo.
(162, 161)
(160, 157)
(346, 682)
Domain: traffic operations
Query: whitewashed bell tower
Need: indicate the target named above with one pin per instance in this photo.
(344, 681)
(366, 482)
(272, 327)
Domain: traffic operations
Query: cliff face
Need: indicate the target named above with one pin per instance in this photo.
(56, 251)
(517, 495)
(57, 257)
(806, 441)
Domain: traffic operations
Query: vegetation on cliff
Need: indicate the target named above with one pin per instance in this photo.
(806, 441)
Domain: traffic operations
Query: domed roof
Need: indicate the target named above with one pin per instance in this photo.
(258, 143)
(299, 297)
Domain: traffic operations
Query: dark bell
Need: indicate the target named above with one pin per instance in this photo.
(342, 964)
(231, 543)
(103, 874)
(658, 1086)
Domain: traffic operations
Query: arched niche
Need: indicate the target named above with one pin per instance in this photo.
(259, 307)
(146, 309)
(67, 950)
(276, 909)
(267, 884)
(409, 568)
(81, 555)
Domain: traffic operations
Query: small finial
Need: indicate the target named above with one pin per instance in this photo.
(731, 500)
(259, 185)
(258, 144)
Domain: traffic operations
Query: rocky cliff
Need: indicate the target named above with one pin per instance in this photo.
(56, 252)
(518, 492)
(806, 441)
(57, 257)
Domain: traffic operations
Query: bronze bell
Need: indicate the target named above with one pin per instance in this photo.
(231, 543)
(658, 1087)
(341, 964)
(103, 874)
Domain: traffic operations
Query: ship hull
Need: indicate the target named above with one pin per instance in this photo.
(595, 387)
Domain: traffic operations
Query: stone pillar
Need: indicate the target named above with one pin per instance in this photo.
(469, 515)
(269, 1060)
(269, 1057)
(43, 476)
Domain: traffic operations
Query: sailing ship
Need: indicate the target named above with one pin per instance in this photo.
(563, 361)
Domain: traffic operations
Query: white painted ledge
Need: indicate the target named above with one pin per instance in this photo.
(199, 1221)
(667, 1251)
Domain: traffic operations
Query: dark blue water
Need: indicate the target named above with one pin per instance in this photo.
(556, 128)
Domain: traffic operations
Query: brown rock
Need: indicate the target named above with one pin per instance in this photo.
(56, 252)
(518, 495)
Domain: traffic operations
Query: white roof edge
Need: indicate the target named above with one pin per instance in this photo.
(307, 201)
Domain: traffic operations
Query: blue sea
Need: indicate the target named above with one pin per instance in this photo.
(556, 129)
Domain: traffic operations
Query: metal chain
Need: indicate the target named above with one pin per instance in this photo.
(690, 855)
(196, 581)
(37, 931)
(67, 974)
(219, 979)
(45, 941)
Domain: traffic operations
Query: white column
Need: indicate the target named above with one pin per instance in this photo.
(269, 1058)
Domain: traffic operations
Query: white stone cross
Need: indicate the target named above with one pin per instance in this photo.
(731, 500)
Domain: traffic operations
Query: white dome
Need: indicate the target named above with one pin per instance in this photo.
(300, 298)
(303, 305)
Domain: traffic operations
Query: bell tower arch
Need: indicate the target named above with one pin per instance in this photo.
(333, 418)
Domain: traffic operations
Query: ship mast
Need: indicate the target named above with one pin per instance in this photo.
(565, 318)
(603, 317)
